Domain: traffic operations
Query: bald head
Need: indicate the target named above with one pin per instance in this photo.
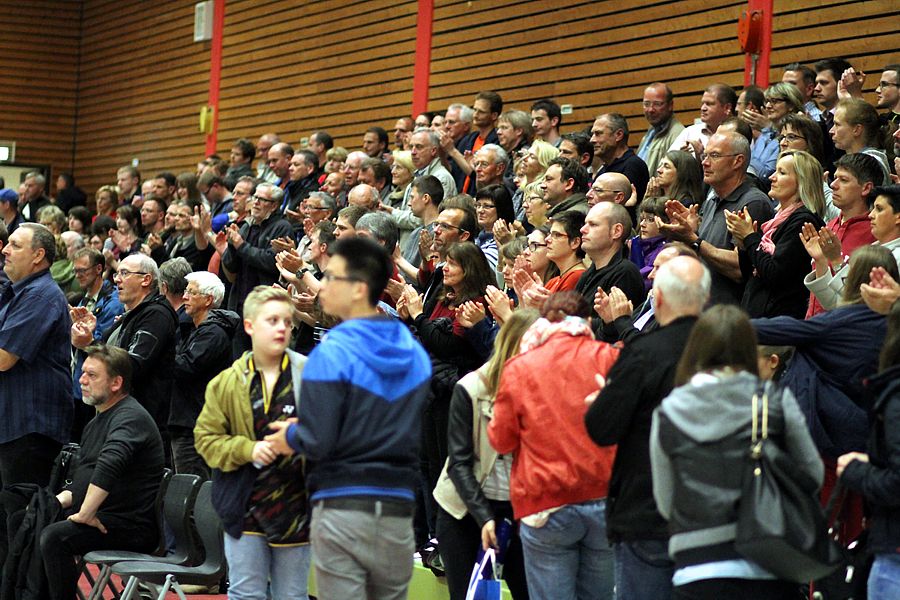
(680, 288)
(609, 187)
(266, 141)
(364, 195)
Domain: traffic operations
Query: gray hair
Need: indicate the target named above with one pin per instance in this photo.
(433, 137)
(685, 294)
(276, 192)
(147, 265)
(326, 198)
(42, 238)
(465, 112)
(500, 155)
(739, 145)
(382, 227)
(173, 272)
(208, 284)
(617, 122)
(76, 238)
(38, 178)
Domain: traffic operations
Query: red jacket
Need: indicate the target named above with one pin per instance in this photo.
(539, 417)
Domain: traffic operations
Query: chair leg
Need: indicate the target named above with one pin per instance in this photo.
(130, 588)
(171, 583)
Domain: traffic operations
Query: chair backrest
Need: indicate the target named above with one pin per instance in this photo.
(210, 528)
(158, 509)
(181, 495)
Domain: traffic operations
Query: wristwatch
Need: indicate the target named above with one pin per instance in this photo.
(696, 245)
(299, 274)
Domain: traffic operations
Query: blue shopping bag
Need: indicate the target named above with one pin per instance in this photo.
(481, 587)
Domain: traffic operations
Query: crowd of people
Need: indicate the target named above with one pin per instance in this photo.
(483, 332)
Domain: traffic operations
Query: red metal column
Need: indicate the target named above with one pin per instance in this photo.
(215, 73)
(762, 65)
(424, 22)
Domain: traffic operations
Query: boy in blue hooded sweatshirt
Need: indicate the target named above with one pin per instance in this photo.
(359, 423)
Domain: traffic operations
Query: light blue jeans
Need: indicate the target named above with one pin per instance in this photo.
(884, 578)
(252, 564)
(569, 558)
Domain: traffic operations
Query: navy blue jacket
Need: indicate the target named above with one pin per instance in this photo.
(836, 351)
(360, 416)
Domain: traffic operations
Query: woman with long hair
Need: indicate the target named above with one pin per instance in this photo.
(782, 99)
(773, 259)
(186, 188)
(876, 473)
(473, 489)
(559, 478)
(799, 132)
(698, 444)
(678, 177)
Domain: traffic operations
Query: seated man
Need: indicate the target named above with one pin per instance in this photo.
(110, 502)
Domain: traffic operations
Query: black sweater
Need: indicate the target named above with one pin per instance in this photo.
(122, 453)
(643, 375)
(775, 281)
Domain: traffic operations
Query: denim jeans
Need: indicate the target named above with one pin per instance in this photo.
(884, 579)
(643, 570)
(569, 557)
(252, 564)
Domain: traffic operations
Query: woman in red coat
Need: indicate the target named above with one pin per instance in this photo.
(559, 479)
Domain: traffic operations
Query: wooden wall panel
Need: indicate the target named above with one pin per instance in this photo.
(143, 81)
(39, 44)
(592, 55)
(323, 65)
(295, 66)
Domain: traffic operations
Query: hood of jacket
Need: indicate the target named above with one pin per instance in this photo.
(709, 417)
(228, 320)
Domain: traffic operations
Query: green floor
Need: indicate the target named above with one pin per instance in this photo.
(424, 585)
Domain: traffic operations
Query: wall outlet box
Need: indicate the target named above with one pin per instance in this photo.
(203, 21)
(566, 109)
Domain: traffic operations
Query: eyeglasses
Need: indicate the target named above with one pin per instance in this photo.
(123, 273)
(445, 226)
(714, 156)
(602, 191)
(654, 104)
(193, 293)
(790, 137)
(533, 246)
(775, 100)
(261, 199)
(327, 277)
(557, 235)
(481, 164)
(485, 206)
(884, 84)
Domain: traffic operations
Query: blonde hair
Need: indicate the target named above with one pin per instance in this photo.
(506, 346)
(404, 159)
(262, 294)
(808, 172)
(544, 152)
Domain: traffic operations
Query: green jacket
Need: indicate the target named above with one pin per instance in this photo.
(224, 434)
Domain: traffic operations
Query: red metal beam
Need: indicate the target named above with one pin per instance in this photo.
(215, 73)
(765, 54)
(424, 22)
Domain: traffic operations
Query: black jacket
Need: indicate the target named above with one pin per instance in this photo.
(203, 354)
(879, 479)
(775, 281)
(643, 375)
(23, 572)
(254, 262)
(621, 273)
(147, 332)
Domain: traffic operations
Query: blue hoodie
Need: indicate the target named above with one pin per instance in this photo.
(360, 416)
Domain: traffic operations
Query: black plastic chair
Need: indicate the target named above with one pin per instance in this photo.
(177, 505)
(170, 577)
